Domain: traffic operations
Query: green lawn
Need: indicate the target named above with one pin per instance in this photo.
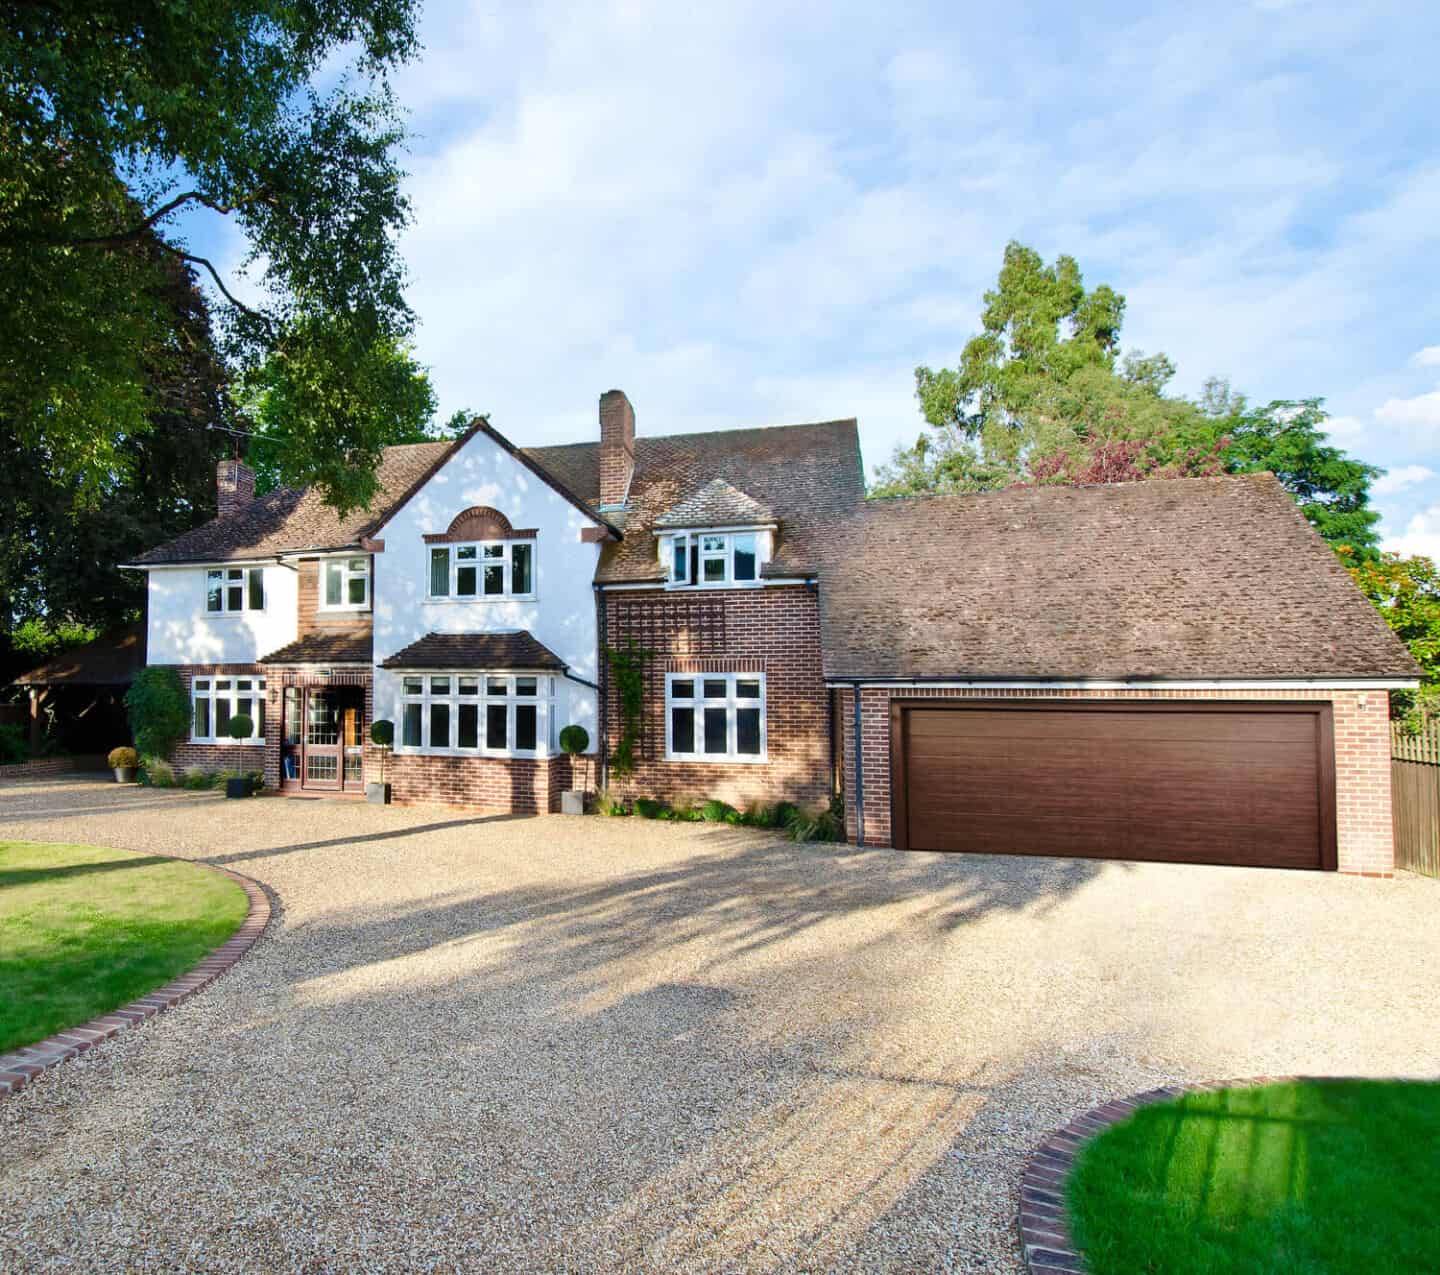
(1286, 1179)
(84, 929)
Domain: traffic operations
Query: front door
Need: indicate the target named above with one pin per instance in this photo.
(323, 740)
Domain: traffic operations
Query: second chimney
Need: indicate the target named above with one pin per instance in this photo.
(617, 448)
(234, 486)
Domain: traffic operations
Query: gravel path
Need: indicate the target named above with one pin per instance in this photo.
(602, 1045)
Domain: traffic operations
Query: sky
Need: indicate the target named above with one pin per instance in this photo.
(763, 213)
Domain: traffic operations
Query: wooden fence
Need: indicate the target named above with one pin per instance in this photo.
(1415, 798)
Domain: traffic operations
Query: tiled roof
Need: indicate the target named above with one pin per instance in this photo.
(288, 519)
(1183, 578)
(354, 646)
(716, 504)
(807, 477)
(476, 651)
(112, 659)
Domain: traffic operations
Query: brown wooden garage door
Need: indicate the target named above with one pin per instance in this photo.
(1244, 784)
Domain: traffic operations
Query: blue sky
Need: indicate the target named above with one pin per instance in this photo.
(755, 213)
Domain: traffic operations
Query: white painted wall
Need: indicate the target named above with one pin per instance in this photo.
(181, 631)
(562, 613)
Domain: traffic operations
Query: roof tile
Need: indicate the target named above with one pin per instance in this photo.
(518, 650)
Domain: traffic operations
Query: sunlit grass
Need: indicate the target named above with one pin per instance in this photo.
(83, 930)
(1311, 1178)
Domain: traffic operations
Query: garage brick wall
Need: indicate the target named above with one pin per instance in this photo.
(1365, 840)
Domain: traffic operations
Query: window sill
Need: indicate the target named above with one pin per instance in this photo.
(712, 586)
(748, 759)
(227, 742)
(484, 597)
(486, 754)
(346, 610)
(233, 615)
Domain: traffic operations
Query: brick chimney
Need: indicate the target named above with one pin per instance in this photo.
(234, 486)
(617, 448)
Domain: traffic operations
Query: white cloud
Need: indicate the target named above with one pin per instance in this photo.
(1421, 413)
(1420, 537)
(1345, 429)
(1401, 478)
(1428, 357)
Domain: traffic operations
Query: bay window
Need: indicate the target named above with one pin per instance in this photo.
(715, 717)
(486, 714)
(234, 589)
(484, 569)
(712, 557)
(346, 584)
(215, 700)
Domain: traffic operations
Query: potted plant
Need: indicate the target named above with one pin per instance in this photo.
(575, 740)
(382, 735)
(241, 727)
(124, 762)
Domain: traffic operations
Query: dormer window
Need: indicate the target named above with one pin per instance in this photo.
(714, 558)
(347, 584)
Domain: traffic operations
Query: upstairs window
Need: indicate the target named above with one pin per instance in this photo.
(346, 584)
(234, 589)
(712, 558)
(485, 569)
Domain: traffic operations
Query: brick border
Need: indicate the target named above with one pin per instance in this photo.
(1045, 1237)
(19, 1067)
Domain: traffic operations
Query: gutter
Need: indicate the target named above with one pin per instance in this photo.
(1163, 683)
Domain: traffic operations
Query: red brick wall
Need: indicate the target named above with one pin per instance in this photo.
(309, 616)
(1362, 759)
(775, 631)
(511, 785)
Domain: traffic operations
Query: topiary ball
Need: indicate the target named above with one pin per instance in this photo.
(574, 739)
(382, 733)
(241, 726)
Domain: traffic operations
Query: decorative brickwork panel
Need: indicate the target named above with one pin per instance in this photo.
(774, 631)
(1365, 838)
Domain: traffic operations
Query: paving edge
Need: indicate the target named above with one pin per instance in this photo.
(1045, 1235)
(20, 1066)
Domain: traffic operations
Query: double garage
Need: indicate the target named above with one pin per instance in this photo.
(1242, 783)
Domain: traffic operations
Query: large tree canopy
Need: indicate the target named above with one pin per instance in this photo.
(275, 114)
(1043, 395)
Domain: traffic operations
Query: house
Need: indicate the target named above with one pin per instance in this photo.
(1172, 670)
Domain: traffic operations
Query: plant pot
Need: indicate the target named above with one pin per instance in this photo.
(124, 774)
(237, 787)
(572, 802)
(377, 794)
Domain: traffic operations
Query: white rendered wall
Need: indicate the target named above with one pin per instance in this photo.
(181, 631)
(561, 615)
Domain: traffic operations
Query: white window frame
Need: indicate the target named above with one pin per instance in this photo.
(480, 560)
(725, 553)
(731, 701)
(213, 689)
(230, 577)
(492, 688)
(347, 573)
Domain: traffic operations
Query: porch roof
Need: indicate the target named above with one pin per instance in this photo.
(344, 647)
(479, 651)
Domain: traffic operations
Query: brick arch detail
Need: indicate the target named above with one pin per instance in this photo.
(479, 522)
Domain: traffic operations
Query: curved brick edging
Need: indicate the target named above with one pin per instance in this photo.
(1045, 1238)
(19, 1067)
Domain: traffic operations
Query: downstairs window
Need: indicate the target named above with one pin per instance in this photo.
(484, 714)
(215, 700)
(715, 717)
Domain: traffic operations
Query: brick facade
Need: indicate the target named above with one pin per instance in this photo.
(508, 785)
(230, 755)
(310, 618)
(775, 631)
(1362, 758)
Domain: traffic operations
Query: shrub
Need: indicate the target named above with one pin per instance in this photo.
(156, 772)
(123, 758)
(382, 733)
(158, 709)
(198, 780)
(614, 806)
(13, 747)
(647, 808)
(714, 811)
(828, 825)
(241, 726)
(687, 814)
(785, 813)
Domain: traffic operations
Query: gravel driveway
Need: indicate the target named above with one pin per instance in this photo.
(547, 1044)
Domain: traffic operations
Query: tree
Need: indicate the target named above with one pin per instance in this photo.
(1286, 437)
(288, 409)
(59, 544)
(1406, 592)
(210, 105)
